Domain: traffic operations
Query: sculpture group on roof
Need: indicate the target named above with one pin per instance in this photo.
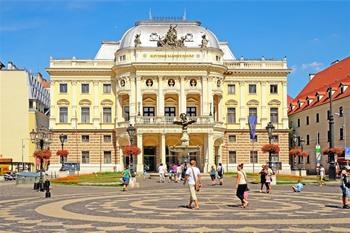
(170, 39)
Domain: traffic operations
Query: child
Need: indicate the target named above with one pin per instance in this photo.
(126, 178)
(298, 187)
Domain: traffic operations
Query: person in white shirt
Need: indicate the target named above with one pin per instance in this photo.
(161, 170)
(193, 179)
(322, 172)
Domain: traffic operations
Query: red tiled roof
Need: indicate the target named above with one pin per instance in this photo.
(334, 76)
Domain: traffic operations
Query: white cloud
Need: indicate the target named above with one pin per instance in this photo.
(316, 66)
(294, 69)
(316, 39)
(18, 26)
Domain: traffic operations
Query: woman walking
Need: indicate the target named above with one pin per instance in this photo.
(241, 185)
(213, 175)
(263, 174)
(126, 178)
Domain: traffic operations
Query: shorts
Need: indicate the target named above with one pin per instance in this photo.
(126, 180)
(345, 190)
(193, 195)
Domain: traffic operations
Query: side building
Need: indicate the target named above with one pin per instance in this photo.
(154, 73)
(309, 110)
(24, 106)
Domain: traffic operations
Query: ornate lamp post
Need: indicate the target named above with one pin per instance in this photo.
(40, 138)
(131, 131)
(62, 140)
(331, 169)
(295, 143)
(302, 141)
(269, 129)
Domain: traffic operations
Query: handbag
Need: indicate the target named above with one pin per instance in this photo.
(197, 185)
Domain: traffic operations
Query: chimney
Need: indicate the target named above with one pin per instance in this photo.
(311, 76)
(11, 66)
(1, 65)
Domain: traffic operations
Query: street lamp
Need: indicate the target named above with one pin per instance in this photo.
(62, 140)
(269, 129)
(131, 131)
(331, 169)
(40, 138)
(294, 145)
(302, 141)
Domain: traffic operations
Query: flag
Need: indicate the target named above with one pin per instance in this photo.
(252, 126)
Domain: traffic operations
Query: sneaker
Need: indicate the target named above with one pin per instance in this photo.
(346, 207)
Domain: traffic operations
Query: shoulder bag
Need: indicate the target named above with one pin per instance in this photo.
(197, 185)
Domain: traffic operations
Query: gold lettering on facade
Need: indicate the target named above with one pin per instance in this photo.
(171, 56)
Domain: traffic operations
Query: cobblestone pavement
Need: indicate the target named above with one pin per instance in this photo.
(158, 207)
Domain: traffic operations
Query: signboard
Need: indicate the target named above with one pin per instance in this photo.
(347, 153)
(318, 154)
(71, 167)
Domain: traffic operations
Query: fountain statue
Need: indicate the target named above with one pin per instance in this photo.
(184, 149)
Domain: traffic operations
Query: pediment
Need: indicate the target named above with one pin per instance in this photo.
(274, 102)
(107, 102)
(253, 102)
(231, 102)
(84, 102)
(62, 102)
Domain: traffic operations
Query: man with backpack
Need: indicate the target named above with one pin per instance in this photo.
(345, 186)
(220, 171)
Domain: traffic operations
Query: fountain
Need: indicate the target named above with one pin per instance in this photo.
(184, 149)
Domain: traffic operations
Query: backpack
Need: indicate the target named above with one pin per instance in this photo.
(346, 181)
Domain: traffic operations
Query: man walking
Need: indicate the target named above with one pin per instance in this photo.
(322, 172)
(161, 170)
(194, 182)
(220, 171)
(345, 186)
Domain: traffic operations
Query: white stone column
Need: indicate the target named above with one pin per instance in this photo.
(209, 158)
(160, 98)
(139, 165)
(132, 99)
(204, 97)
(264, 111)
(182, 98)
(220, 109)
(74, 106)
(96, 110)
(284, 106)
(243, 111)
(138, 96)
(54, 117)
(162, 149)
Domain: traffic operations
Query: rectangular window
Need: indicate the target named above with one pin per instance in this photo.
(107, 157)
(253, 156)
(169, 111)
(232, 138)
(85, 138)
(317, 117)
(63, 114)
(107, 88)
(148, 111)
(253, 112)
(85, 157)
(341, 111)
(231, 89)
(307, 120)
(63, 88)
(191, 111)
(307, 139)
(274, 139)
(85, 115)
(231, 115)
(274, 115)
(232, 157)
(273, 89)
(252, 88)
(318, 137)
(85, 88)
(107, 115)
(341, 134)
(126, 114)
(298, 122)
(107, 138)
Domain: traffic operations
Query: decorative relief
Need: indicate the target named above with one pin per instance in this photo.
(193, 83)
(218, 83)
(149, 82)
(205, 41)
(171, 82)
(122, 83)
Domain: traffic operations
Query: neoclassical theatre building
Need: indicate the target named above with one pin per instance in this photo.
(157, 70)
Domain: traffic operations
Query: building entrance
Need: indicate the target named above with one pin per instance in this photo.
(149, 158)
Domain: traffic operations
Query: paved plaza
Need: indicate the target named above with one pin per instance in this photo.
(158, 207)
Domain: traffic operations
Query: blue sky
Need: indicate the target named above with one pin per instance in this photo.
(311, 34)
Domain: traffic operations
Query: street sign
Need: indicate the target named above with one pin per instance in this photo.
(347, 153)
(318, 153)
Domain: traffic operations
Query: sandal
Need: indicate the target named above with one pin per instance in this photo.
(189, 207)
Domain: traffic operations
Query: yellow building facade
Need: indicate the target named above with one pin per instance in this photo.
(24, 104)
(158, 70)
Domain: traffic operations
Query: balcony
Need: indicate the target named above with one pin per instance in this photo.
(169, 121)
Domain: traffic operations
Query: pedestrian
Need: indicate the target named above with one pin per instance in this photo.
(263, 174)
(242, 185)
(178, 172)
(345, 186)
(173, 173)
(213, 175)
(322, 173)
(161, 171)
(193, 179)
(298, 187)
(268, 179)
(220, 171)
(184, 168)
(126, 178)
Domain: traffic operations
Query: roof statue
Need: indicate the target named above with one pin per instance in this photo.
(170, 39)
(204, 41)
(137, 40)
